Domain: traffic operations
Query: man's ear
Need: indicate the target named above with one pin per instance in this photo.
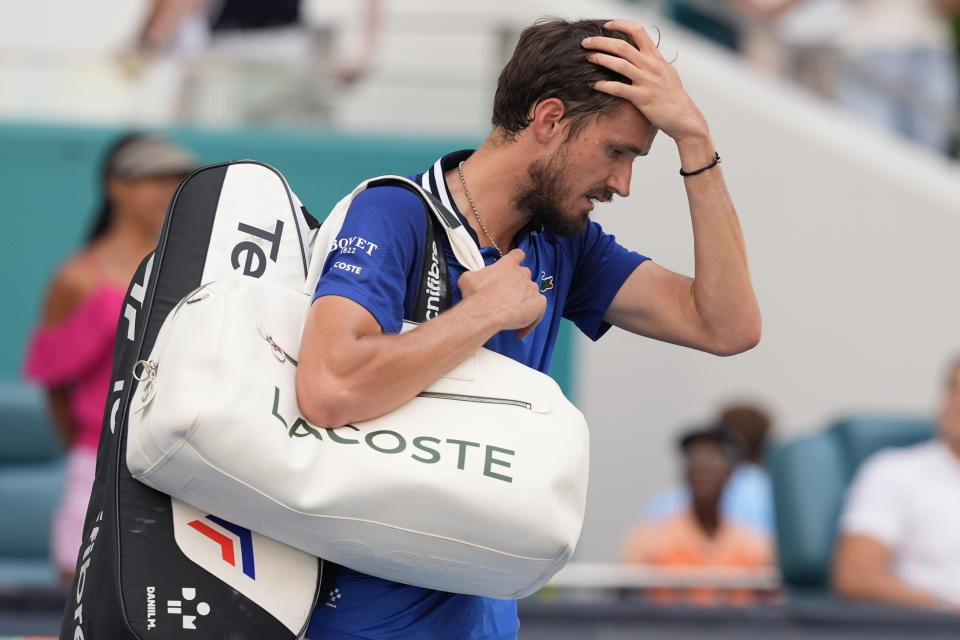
(546, 125)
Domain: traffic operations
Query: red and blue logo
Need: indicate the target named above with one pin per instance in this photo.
(228, 545)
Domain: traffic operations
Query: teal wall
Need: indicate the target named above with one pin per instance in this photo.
(48, 177)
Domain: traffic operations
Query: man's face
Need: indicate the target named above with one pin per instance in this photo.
(707, 469)
(592, 165)
(950, 410)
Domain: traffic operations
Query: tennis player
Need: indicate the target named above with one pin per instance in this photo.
(575, 107)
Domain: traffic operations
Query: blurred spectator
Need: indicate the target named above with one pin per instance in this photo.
(700, 536)
(748, 496)
(898, 68)
(900, 529)
(71, 351)
(264, 29)
(709, 19)
(895, 63)
(258, 55)
(954, 6)
(797, 38)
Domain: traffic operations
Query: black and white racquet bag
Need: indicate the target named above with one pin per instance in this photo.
(154, 567)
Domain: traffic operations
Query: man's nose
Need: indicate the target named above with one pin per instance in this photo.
(619, 181)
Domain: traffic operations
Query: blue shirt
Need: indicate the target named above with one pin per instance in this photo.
(747, 499)
(377, 264)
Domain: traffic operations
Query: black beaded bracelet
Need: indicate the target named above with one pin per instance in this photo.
(716, 160)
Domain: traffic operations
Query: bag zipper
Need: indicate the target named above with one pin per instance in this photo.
(145, 371)
(283, 356)
(478, 399)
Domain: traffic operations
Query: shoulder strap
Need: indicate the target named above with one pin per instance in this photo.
(434, 290)
(433, 296)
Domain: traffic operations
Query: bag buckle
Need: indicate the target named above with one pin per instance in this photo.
(146, 371)
(278, 352)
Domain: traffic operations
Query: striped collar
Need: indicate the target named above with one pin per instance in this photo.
(433, 180)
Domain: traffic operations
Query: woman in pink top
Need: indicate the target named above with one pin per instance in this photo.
(71, 351)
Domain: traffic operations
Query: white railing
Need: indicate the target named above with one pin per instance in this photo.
(604, 576)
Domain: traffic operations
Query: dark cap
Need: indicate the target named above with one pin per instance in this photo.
(151, 157)
(730, 443)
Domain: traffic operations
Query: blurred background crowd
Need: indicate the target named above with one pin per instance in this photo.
(751, 495)
(890, 62)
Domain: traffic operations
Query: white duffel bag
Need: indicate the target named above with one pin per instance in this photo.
(477, 485)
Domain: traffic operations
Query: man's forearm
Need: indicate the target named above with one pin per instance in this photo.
(718, 312)
(882, 586)
(350, 371)
(722, 290)
(862, 571)
(375, 373)
(369, 375)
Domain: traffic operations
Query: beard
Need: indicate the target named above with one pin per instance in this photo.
(543, 200)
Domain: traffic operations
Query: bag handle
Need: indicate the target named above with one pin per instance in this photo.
(462, 244)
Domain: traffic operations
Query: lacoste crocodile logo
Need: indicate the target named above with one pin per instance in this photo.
(546, 282)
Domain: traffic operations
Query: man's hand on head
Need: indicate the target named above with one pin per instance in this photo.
(655, 88)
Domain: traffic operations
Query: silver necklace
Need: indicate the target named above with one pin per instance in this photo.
(474, 207)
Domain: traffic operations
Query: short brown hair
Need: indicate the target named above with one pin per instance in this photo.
(749, 423)
(550, 62)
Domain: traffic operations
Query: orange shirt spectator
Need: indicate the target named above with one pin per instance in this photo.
(681, 542)
(700, 537)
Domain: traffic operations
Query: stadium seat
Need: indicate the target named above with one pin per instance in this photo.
(810, 476)
(862, 436)
(31, 475)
